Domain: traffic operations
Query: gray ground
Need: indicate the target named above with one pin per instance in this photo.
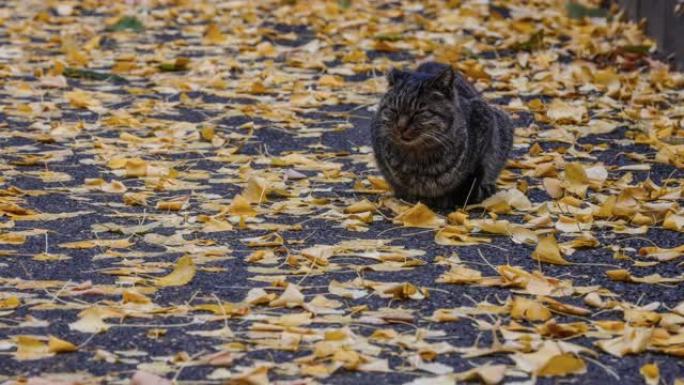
(81, 267)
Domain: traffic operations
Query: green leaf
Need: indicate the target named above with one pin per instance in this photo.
(127, 22)
(344, 4)
(180, 64)
(637, 49)
(578, 11)
(388, 37)
(536, 41)
(79, 73)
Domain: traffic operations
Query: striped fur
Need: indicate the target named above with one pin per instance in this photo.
(436, 141)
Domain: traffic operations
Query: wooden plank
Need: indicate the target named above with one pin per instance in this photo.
(663, 24)
(631, 8)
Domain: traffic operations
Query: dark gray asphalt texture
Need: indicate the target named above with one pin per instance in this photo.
(81, 267)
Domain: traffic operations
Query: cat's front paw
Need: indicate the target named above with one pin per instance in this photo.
(483, 192)
(405, 196)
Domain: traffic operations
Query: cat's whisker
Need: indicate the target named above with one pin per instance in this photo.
(438, 137)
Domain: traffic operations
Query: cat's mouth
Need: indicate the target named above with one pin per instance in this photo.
(418, 142)
(412, 143)
(408, 135)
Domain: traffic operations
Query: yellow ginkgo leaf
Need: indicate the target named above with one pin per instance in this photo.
(360, 207)
(419, 216)
(662, 254)
(57, 345)
(404, 290)
(213, 35)
(575, 173)
(674, 222)
(175, 204)
(563, 365)
(11, 302)
(213, 225)
(135, 167)
(651, 374)
(241, 206)
(331, 81)
(91, 320)
(182, 273)
(114, 187)
(502, 227)
(111, 243)
(460, 275)
(560, 111)
(458, 236)
(30, 348)
(256, 190)
(528, 309)
(547, 251)
(633, 340)
(132, 296)
(12, 239)
(378, 183)
(576, 179)
(82, 99)
(117, 163)
(291, 297)
(252, 376)
(487, 374)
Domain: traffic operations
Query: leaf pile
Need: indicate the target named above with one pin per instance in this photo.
(187, 193)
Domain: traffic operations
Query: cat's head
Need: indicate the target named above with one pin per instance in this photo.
(418, 109)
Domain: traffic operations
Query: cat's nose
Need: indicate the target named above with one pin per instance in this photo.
(405, 129)
(403, 123)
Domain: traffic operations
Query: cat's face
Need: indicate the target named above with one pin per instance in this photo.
(418, 109)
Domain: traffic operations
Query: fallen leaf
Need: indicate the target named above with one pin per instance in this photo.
(631, 341)
(651, 374)
(563, 365)
(419, 216)
(528, 309)
(563, 112)
(291, 297)
(183, 272)
(145, 378)
(56, 345)
(547, 251)
(241, 206)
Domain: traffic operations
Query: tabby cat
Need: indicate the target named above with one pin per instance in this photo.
(436, 140)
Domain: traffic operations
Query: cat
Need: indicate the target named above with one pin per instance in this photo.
(436, 140)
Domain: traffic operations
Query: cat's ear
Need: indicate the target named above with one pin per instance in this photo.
(395, 76)
(444, 81)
